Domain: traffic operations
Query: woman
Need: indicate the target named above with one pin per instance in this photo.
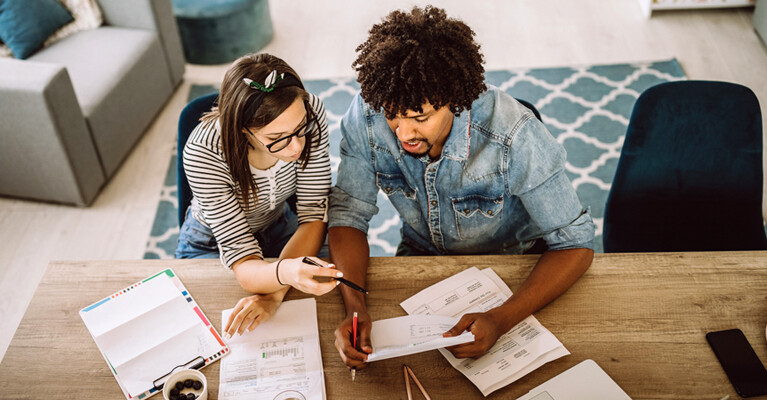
(267, 140)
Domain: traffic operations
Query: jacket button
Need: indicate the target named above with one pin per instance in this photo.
(388, 189)
(431, 169)
(434, 202)
(489, 212)
(466, 211)
(407, 194)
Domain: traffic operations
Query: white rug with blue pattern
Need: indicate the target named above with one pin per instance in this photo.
(587, 108)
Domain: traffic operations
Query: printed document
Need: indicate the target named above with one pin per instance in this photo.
(412, 334)
(283, 353)
(524, 348)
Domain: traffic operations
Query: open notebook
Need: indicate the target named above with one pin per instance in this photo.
(150, 328)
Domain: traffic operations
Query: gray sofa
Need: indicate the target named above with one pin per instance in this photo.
(71, 113)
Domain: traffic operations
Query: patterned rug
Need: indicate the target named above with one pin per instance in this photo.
(586, 108)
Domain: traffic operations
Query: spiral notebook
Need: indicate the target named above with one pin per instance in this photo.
(147, 330)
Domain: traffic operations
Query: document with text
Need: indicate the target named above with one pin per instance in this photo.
(283, 353)
(524, 348)
(395, 337)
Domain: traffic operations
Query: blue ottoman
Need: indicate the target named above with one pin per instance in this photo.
(220, 31)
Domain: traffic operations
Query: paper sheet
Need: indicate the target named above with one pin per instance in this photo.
(412, 334)
(281, 354)
(585, 381)
(524, 348)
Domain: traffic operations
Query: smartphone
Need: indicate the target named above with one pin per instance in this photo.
(739, 361)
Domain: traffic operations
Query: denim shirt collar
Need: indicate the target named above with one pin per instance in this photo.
(457, 145)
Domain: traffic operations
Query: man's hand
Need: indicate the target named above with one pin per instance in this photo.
(352, 357)
(486, 327)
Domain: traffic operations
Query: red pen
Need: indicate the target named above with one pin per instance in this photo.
(354, 341)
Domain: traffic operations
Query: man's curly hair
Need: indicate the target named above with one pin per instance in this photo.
(411, 58)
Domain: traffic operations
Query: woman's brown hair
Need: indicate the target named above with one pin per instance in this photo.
(233, 100)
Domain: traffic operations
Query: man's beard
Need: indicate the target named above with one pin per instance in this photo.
(423, 153)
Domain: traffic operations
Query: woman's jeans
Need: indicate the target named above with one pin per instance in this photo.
(196, 240)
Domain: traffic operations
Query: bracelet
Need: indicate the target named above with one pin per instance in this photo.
(277, 272)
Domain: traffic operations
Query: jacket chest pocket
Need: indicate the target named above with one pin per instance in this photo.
(477, 216)
(401, 194)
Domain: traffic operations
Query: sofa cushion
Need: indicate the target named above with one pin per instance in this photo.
(121, 81)
(96, 59)
(26, 24)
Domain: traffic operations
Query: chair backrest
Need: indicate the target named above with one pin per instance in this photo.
(187, 121)
(689, 176)
(531, 107)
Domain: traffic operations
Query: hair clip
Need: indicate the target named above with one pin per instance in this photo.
(269, 83)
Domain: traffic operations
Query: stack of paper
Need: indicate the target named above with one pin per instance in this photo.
(524, 348)
(282, 354)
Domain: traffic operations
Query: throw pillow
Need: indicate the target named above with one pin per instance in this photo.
(4, 50)
(87, 16)
(26, 24)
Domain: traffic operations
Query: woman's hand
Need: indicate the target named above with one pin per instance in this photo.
(250, 312)
(300, 275)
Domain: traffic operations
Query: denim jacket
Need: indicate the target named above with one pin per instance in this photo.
(498, 185)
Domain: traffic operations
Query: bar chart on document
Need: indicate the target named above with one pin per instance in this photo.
(290, 347)
(267, 361)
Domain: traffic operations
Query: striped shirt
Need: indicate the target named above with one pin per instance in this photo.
(217, 201)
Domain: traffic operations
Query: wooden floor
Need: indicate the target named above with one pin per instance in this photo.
(318, 39)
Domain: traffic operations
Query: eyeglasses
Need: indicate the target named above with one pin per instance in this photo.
(283, 142)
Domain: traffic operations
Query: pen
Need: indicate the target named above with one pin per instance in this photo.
(354, 341)
(346, 282)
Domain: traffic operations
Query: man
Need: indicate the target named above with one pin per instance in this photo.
(469, 169)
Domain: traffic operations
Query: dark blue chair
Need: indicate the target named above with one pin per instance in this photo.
(689, 176)
(187, 121)
(531, 107)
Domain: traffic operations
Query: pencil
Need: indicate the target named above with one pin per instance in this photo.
(407, 383)
(417, 382)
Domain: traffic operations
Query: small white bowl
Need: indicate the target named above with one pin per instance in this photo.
(182, 375)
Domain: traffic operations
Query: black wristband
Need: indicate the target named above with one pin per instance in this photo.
(277, 272)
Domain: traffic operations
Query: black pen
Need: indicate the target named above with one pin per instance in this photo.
(346, 282)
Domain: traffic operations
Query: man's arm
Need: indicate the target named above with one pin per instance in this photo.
(553, 205)
(352, 203)
(554, 273)
(350, 252)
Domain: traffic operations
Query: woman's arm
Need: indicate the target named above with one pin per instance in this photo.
(259, 276)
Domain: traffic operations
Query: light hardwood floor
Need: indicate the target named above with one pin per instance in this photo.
(318, 39)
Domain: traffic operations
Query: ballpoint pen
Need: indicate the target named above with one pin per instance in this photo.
(354, 341)
(346, 282)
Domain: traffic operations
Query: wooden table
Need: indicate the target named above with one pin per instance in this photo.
(641, 317)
